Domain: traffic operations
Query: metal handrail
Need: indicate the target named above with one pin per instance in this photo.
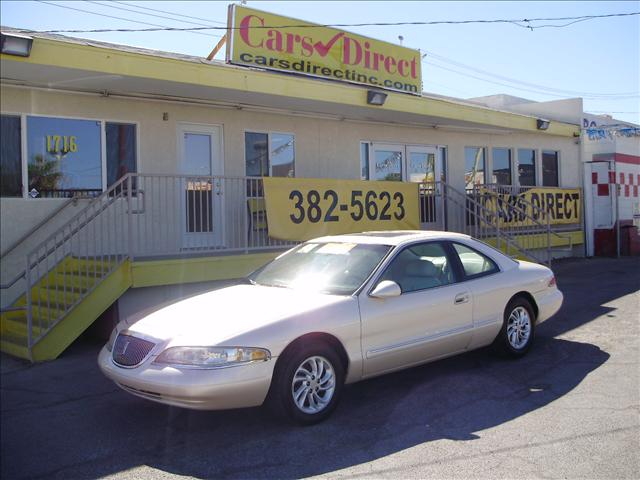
(48, 252)
(31, 231)
(500, 234)
(51, 246)
(545, 213)
(168, 208)
(6, 286)
(95, 200)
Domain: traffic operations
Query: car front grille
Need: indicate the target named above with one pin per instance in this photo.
(129, 351)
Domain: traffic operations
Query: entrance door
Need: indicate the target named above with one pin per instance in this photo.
(425, 167)
(414, 163)
(387, 162)
(199, 147)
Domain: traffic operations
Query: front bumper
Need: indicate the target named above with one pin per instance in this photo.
(201, 389)
(548, 304)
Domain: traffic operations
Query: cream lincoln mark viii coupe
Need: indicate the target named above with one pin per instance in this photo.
(331, 311)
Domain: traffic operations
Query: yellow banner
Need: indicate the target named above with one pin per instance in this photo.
(264, 40)
(304, 208)
(562, 205)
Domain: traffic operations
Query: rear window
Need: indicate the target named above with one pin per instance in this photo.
(474, 263)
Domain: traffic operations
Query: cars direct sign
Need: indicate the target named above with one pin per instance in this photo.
(274, 42)
(303, 208)
(562, 204)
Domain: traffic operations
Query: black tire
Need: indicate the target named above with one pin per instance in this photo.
(513, 343)
(281, 394)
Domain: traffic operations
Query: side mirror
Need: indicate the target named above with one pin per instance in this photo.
(386, 289)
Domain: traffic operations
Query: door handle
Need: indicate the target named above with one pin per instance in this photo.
(461, 298)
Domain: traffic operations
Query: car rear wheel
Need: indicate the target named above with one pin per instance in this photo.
(307, 384)
(516, 336)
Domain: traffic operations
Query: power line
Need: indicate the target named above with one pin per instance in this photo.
(157, 27)
(610, 111)
(520, 88)
(534, 85)
(170, 13)
(143, 13)
(518, 22)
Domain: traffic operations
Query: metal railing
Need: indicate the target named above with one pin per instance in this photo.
(140, 217)
(67, 266)
(517, 234)
(145, 216)
(514, 208)
(184, 215)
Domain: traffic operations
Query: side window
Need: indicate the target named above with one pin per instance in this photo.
(474, 263)
(419, 267)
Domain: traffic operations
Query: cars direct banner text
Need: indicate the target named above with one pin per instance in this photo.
(563, 205)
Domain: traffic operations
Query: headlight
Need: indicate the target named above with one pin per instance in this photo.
(212, 357)
(112, 339)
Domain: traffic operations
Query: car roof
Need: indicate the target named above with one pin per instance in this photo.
(391, 237)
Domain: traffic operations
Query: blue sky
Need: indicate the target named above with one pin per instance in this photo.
(597, 59)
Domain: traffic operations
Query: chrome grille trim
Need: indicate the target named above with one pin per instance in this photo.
(130, 351)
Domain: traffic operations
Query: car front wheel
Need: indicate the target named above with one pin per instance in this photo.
(307, 384)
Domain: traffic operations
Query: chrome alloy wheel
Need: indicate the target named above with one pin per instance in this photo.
(519, 328)
(313, 385)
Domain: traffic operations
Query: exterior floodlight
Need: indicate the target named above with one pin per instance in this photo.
(376, 98)
(15, 44)
(542, 124)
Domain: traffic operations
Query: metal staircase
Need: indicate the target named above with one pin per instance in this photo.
(522, 230)
(72, 264)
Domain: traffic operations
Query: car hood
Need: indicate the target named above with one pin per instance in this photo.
(216, 317)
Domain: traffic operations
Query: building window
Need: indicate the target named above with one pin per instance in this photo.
(10, 156)
(63, 157)
(474, 160)
(527, 167)
(121, 150)
(502, 166)
(282, 155)
(388, 164)
(269, 154)
(550, 168)
(364, 161)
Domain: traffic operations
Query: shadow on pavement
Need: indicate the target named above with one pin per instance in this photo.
(88, 428)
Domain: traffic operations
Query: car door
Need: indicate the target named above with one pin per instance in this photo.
(489, 289)
(432, 317)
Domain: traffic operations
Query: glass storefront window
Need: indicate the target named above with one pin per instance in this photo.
(121, 150)
(63, 157)
(388, 165)
(256, 153)
(269, 154)
(364, 161)
(502, 166)
(527, 167)
(282, 155)
(474, 166)
(10, 156)
(422, 167)
(550, 168)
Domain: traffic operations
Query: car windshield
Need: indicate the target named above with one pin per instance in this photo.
(334, 268)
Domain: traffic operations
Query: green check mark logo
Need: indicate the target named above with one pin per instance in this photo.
(323, 49)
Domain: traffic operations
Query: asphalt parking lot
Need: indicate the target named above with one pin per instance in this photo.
(569, 409)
